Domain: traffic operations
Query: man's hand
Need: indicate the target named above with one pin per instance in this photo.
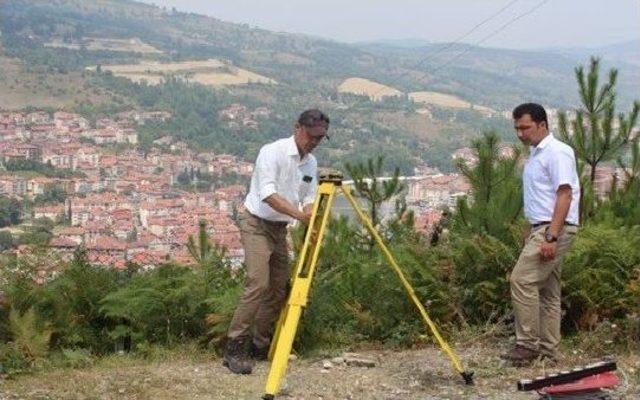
(548, 251)
(304, 216)
(281, 205)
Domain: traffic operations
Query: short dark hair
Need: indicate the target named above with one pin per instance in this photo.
(536, 111)
(313, 117)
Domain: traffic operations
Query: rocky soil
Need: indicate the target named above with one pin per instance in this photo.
(416, 374)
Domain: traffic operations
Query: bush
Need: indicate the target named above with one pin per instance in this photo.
(12, 359)
(71, 302)
(482, 264)
(160, 306)
(357, 296)
(602, 275)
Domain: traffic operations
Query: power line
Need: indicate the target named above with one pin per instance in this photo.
(489, 36)
(455, 42)
(466, 34)
(484, 39)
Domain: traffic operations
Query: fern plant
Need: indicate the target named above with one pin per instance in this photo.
(30, 334)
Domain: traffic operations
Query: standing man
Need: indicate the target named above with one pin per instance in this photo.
(284, 179)
(551, 197)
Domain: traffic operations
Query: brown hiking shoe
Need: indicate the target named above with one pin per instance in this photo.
(236, 356)
(520, 356)
(259, 353)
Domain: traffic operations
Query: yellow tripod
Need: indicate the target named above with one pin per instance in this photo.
(301, 284)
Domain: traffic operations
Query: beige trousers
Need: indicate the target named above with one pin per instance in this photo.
(535, 293)
(268, 273)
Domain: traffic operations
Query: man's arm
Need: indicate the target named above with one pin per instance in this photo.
(560, 211)
(281, 205)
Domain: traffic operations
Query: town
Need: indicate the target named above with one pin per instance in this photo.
(123, 205)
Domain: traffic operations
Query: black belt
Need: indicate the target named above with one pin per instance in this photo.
(537, 224)
(278, 224)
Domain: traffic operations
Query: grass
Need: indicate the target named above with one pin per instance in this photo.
(21, 88)
(444, 100)
(188, 371)
(362, 86)
(210, 72)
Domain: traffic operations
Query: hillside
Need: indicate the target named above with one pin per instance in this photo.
(366, 87)
(625, 52)
(101, 57)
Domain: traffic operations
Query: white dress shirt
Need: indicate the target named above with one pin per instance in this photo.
(280, 170)
(550, 165)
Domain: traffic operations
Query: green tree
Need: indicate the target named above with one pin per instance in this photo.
(10, 211)
(203, 249)
(369, 186)
(484, 238)
(6, 240)
(495, 201)
(595, 134)
(621, 206)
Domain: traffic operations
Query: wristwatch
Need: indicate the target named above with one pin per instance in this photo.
(549, 238)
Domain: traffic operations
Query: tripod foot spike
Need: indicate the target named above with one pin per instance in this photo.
(468, 377)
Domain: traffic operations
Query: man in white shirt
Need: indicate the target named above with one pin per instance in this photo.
(551, 200)
(283, 188)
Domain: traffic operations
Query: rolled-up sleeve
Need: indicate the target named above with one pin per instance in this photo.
(266, 171)
(562, 169)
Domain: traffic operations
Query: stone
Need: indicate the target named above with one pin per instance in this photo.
(359, 362)
(337, 360)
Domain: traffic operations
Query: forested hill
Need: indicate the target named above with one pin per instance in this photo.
(48, 46)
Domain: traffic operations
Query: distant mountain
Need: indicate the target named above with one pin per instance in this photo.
(494, 77)
(625, 52)
(408, 42)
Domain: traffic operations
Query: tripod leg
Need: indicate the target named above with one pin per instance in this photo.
(279, 325)
(300, 286)
(282, 350)
(457, 365)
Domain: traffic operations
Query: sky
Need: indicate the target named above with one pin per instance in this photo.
(514, 24)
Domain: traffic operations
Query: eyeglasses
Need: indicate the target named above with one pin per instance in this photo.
(317, 138)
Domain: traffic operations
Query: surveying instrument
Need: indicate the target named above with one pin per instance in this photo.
(303, 274)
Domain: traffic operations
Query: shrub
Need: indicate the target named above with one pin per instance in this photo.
(159, 306)
(601, 275)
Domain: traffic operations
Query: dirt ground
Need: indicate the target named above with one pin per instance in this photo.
(415, 374)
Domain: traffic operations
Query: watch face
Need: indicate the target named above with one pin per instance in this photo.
(549, 238)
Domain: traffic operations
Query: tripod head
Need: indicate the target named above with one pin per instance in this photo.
(332, 177)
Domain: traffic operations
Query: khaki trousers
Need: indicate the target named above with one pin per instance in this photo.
(268, 272)
(535, 293)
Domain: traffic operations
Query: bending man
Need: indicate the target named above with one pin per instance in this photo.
(284, 179)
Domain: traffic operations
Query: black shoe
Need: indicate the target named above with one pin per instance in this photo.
(259, 353)
(236, 356)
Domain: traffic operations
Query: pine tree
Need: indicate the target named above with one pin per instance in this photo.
(495, 201)
(367, 185)
(201, 251)
(484, 241)
(595, 134)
